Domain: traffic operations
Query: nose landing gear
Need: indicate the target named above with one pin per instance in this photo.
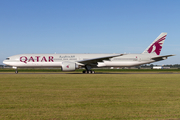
(16, 71)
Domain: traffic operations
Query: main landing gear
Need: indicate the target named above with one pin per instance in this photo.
(88, 70)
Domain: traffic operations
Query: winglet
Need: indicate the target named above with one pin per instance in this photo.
(156, 46)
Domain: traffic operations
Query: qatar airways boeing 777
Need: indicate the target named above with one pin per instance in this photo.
(70, 62)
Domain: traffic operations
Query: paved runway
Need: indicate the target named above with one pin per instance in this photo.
(97, 73)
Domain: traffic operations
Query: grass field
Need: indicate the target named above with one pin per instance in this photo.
(89, 96)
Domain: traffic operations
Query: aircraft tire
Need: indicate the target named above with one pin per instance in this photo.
(16, 72)
(88, 72)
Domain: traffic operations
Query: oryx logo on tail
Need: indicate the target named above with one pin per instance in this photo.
(156, 46)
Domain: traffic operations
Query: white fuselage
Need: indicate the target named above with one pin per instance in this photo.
(56, 60)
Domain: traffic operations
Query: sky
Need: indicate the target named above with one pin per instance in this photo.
(88, 26)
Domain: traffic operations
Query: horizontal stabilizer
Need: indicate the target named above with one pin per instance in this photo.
(158, 58)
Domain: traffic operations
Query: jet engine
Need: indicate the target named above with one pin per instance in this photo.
(68, 66)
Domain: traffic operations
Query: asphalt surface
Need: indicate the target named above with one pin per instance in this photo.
(97, 73)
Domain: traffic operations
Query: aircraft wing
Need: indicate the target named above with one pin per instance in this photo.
(161, 57)
(95, 60)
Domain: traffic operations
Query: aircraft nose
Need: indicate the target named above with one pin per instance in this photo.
(5, 62)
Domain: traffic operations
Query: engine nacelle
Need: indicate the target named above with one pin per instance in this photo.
(68, 66)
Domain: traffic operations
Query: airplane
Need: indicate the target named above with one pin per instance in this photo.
(71, 62)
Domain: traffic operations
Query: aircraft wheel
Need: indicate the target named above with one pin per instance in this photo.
(89, 71)
(85, 71)
(16, 72)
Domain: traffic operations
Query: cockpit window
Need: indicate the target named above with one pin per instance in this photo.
(7, 58)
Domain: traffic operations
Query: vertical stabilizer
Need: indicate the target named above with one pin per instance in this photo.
(156, 46)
